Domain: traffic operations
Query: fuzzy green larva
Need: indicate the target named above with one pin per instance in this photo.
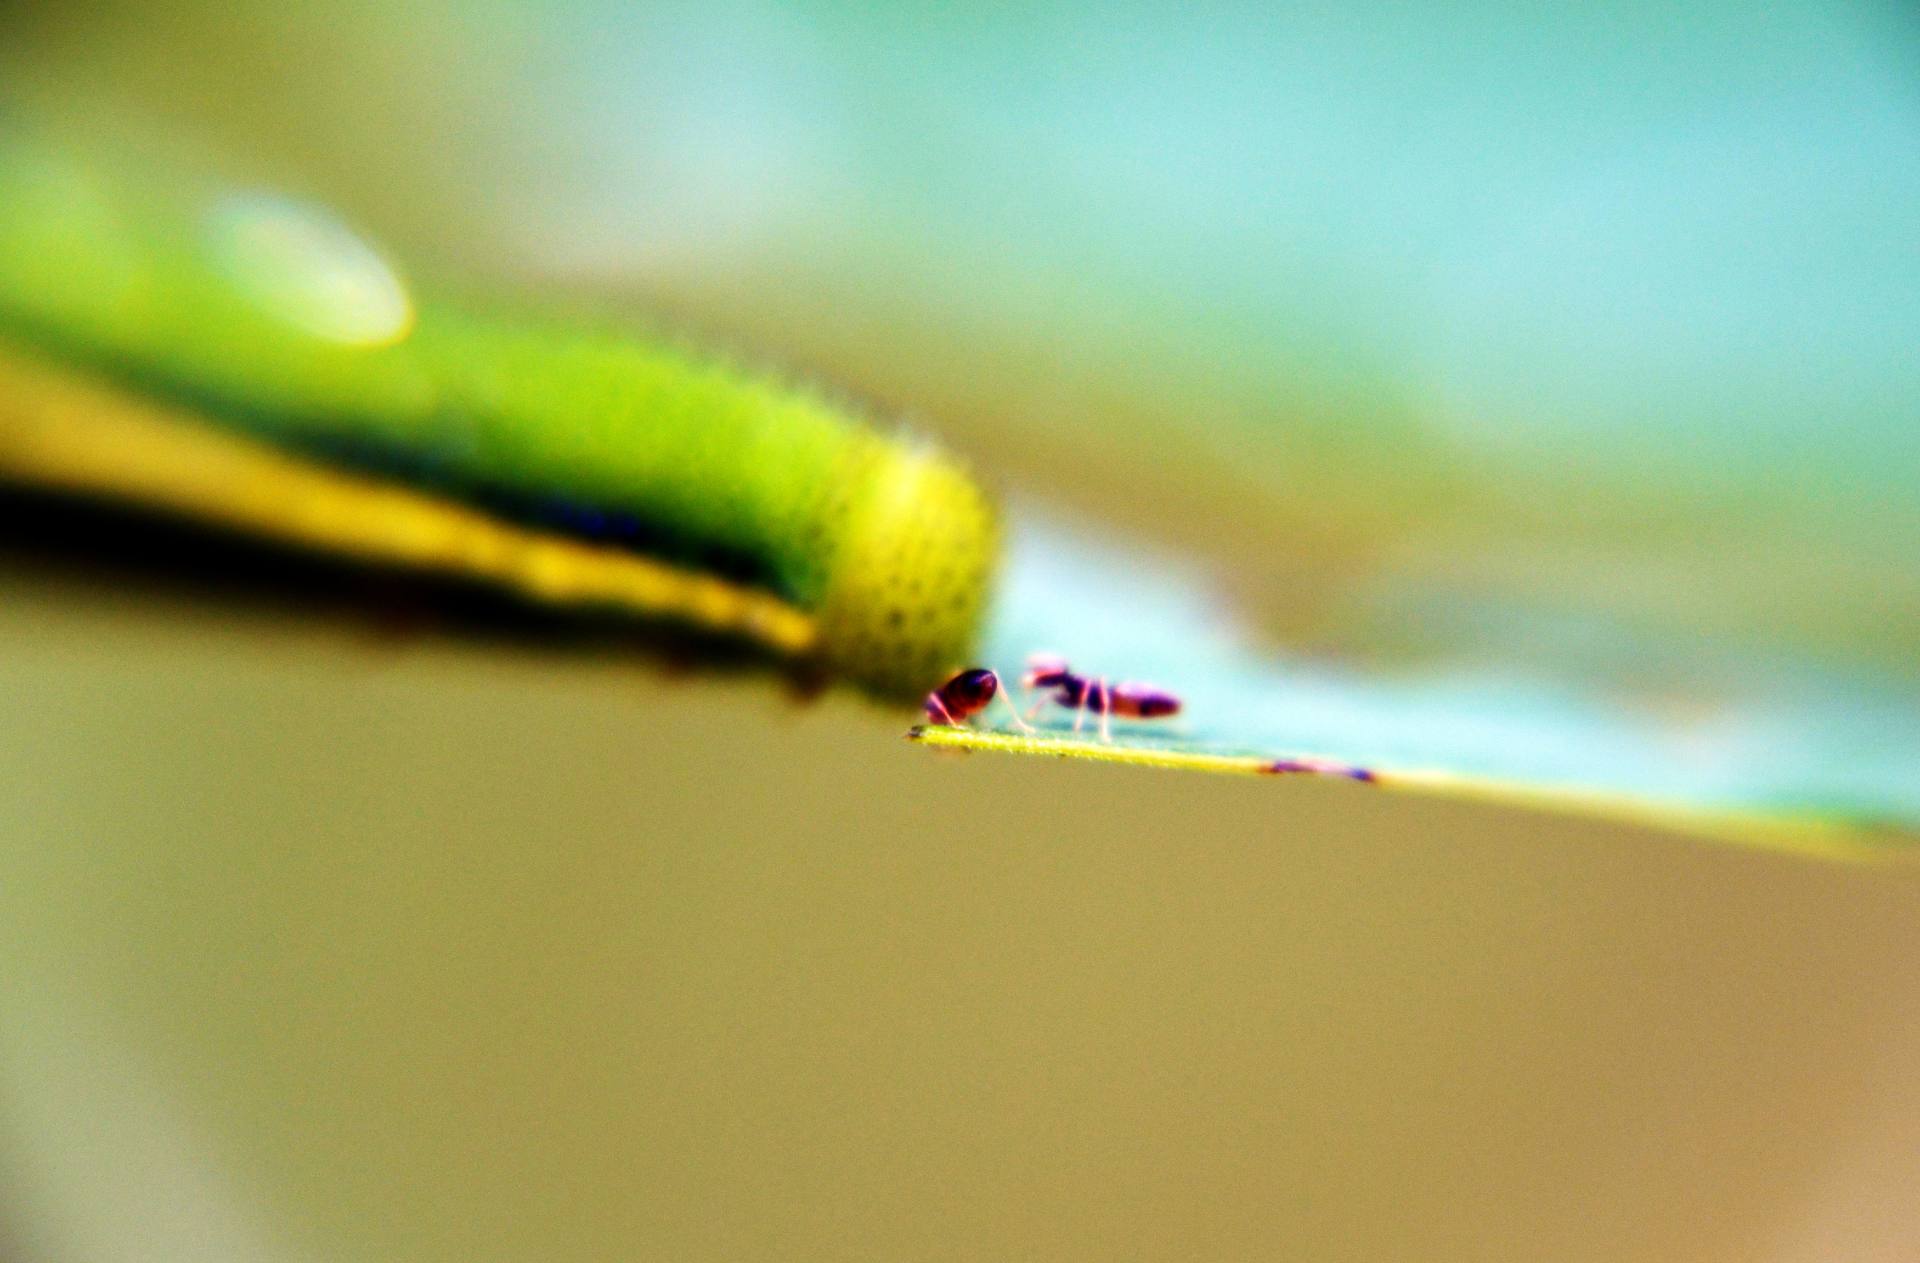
(305, 349)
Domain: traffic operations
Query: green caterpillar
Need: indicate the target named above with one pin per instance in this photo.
(263, 320)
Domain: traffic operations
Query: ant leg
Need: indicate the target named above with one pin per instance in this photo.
(1106, 713)
(1013, 710)
(1080, 710)
(946, 716)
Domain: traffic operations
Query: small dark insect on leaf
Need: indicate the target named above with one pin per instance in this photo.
(965, 695)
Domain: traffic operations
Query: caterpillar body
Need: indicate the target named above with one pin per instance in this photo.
(243, 358)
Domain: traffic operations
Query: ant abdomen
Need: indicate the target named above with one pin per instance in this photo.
(1144, 701)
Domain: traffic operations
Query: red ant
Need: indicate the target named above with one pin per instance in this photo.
(966, 695)
(971, 691)
(1127, 698)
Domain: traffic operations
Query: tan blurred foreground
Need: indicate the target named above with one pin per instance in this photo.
(322, 948)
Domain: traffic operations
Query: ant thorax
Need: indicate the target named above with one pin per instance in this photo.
(1083, 695)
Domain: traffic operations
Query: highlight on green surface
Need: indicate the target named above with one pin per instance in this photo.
(162, 322)
(1808, 836)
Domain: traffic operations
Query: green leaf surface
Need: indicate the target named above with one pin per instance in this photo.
(1771, 752)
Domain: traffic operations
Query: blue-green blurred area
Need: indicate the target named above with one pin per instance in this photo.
(1569, 338)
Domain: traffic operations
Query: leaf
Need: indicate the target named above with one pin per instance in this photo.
(1815, 761)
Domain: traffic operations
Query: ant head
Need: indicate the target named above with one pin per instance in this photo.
(972, 688)
(1044, 670)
